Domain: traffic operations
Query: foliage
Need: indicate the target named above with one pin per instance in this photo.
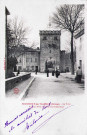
(9, 38)
(11, 62)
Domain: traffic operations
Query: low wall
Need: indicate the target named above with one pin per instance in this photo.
(13, 81)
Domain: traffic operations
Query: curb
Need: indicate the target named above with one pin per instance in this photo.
(26, 89)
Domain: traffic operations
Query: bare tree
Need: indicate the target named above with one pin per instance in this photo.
(34, 44)
(69, 17)
(19, 32)
(68, 46)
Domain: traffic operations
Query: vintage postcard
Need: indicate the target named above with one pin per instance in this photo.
(43, 63)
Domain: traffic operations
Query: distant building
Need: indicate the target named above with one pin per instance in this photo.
(29, 60)
(65, 61)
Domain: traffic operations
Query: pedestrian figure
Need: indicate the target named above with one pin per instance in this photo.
(57, 73)
(78, 75)
(47, 72)
(18, 72)
(36, 71)
(53, 73)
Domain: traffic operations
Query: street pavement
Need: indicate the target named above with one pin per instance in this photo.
(52, 86)
(44, 86)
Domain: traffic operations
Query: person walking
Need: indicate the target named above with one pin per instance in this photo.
(36, 71)
(79, 75)
(47, 72)
(53, 72)
(57, 73)
(18, 72)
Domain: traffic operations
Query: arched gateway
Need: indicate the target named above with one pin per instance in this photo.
(49, 50)
(50, 64)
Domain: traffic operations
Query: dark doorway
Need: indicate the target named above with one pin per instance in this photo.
(15, 68)
(37, 68)
(49, 65)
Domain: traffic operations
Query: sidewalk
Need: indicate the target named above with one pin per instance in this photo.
(19, 90)
(70, 76)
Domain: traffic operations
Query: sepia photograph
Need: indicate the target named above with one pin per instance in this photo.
(46, 55)
(43, 67)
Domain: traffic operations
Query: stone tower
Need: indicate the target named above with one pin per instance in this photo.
(49, 50)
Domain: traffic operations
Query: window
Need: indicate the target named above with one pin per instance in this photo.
(44, 38)
(27, 59)
(20, 60)
(32, 52)
(50, 51)
(27, 53)
(19, 67)
(55, 46)
(49, 45)
(28, 68)
(55, 38)
(32, 67)
(35, 59)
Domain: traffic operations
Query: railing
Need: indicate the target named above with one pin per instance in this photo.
(13, 81)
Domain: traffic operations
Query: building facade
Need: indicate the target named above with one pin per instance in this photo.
(29, 60)
(47, 57)
(80, 50)
(65, 61)
(62, 61)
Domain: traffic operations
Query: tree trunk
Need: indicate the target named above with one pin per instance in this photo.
(72, 59)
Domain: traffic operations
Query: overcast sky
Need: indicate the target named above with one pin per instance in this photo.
(35, 15)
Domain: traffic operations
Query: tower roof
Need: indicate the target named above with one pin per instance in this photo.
(50, 32)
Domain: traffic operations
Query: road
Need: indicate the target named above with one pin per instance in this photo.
(52, 86)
